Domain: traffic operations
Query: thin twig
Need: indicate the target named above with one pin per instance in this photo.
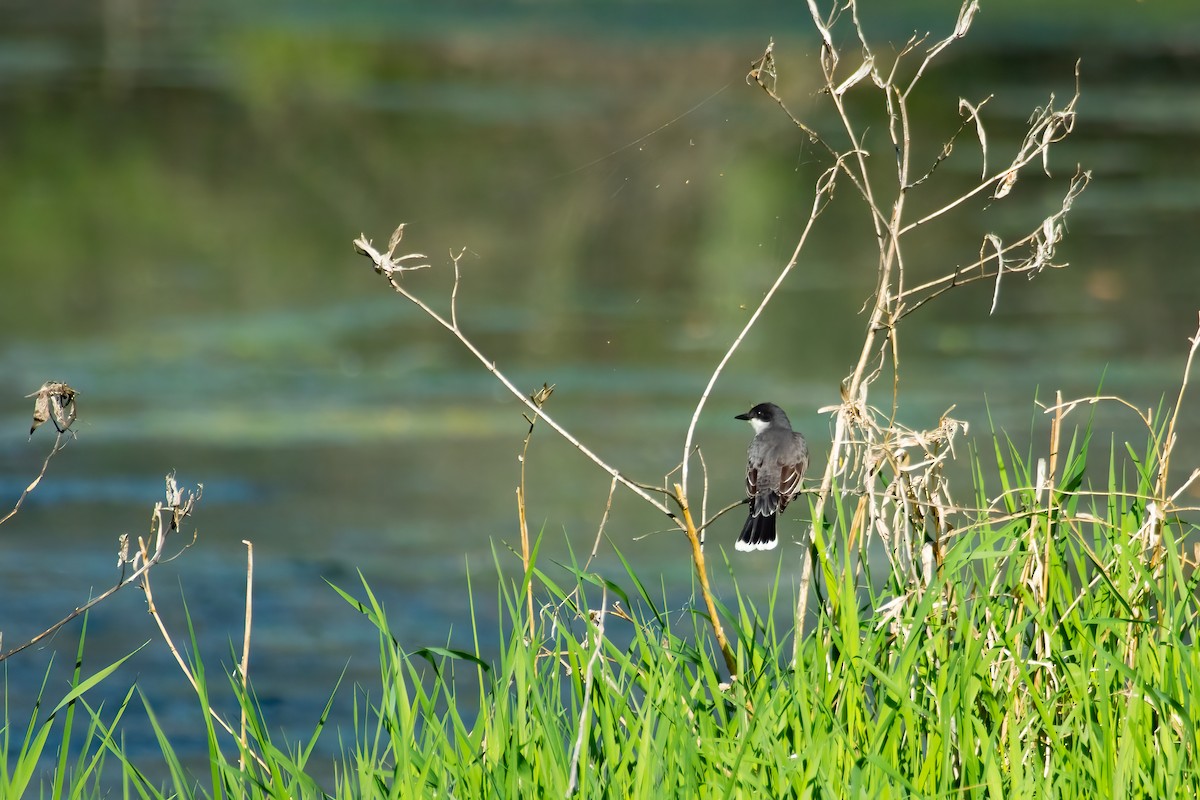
(245, 666)
(703, 494)
(454, 289)
(59, 444)
(1052, 127)
(717, 516)
(1169, 443)
(586, 711)
(966, 14)
(763, 73)
(387, 266)
(1036, 261)
(612, 488)
(393, 268)
(693, 538)
(539, 399)
(824, 187)
(854, 390)
(144, 562)
(187, 672)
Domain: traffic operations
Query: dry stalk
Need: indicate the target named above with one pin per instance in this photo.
(913, 512)
(1164, 502)
(539, 399)
(822, 195)
(55, 402)
(179, 504)
(915, 501)
(244, 669)
(1168, 446)
(702, 574)
(59, 444)
(612, 488)
(585, 711)
(392, 268)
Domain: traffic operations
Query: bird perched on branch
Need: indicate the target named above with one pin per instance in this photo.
(775, 464)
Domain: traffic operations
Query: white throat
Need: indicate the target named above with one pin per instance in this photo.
(759, 425)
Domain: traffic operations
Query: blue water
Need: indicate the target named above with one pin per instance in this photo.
(179, 251)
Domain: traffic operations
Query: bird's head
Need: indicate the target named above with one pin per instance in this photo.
(763, 416)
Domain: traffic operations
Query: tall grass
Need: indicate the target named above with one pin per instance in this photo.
(1051, 654)
(1037, 641)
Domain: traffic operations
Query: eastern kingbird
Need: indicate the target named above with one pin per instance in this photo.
(775, 463)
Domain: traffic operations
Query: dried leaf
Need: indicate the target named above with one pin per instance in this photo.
(965, 15)
(998, 245)
(397, 235)
(979, 131)
(863, 71)
(55, 401)
(41, 410)
(1006, 184)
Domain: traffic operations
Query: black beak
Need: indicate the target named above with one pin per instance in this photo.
(743, 416)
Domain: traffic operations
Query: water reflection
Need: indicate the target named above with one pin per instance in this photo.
(177, 231)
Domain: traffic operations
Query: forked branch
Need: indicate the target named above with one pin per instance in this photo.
(165, 520)
(392, 267)
(865, 441)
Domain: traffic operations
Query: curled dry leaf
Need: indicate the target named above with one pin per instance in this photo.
(863, 71)
(973, 113)
(397, 235)
(55, 401)
(966, 15)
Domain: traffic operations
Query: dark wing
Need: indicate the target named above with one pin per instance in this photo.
(764, 500)
(790, 475)
(789, 482)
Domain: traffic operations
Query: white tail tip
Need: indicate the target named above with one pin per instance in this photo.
(748, 547)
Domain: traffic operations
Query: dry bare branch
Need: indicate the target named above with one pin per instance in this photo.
(914, 509)
(161, 526)
(179, 505)
(823, 189)
(386, 265)
(1168, 445)
(59, 444)
(244, 668)
(539, 399)
(585, 713)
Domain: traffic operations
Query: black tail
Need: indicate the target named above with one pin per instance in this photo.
(758, 533)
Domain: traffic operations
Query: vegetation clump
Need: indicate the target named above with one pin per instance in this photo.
(1033, 636)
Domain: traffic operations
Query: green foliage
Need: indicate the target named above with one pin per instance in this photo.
(1050, 654)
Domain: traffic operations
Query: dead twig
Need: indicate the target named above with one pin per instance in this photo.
(393, 267)
(539, 399)
(55, 401)
(244, 668)
(585, 712)
(179, 504)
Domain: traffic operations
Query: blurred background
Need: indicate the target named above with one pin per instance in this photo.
(180, 184)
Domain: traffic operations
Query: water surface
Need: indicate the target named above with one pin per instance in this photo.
(180, 194)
